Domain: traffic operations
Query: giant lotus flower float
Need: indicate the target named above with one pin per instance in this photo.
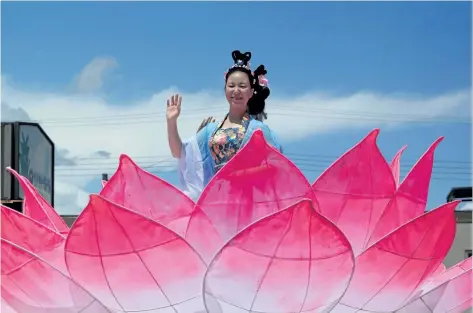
(259, 239)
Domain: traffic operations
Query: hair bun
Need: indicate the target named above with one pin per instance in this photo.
(257, 103)
(241, 57)
(263, 93)
(260, 70)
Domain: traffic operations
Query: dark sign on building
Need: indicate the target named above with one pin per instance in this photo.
(27, 149)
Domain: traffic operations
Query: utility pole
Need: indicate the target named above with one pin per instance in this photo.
(104, 177)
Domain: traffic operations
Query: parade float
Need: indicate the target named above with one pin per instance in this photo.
(260, 238)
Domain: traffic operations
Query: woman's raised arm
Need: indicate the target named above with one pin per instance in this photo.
(172, 113)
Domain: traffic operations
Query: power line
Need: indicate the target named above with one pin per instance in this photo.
(442, 178)
(302, 166)
(291, 156)
(295, 114)
(301, 160)
(305, 162)
(151, 117)
(119, 116)
(293, 109)
(114, 165)
(110, 168)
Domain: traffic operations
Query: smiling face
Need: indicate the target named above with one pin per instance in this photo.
(238, 91)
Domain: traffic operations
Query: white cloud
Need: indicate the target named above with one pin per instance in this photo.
(10, 114)
(91, 78)
(69, 198)
(88, 126)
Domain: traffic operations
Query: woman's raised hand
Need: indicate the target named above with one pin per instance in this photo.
(173, 107)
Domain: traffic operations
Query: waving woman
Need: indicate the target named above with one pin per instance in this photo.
(215, 144)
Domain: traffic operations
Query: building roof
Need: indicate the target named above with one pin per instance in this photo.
(460, 193)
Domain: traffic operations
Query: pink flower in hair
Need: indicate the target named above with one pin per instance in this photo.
(263, 81)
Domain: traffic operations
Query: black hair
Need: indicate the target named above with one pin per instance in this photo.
(257, 102)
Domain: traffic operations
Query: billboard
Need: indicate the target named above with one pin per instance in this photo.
(7, 159)
(36, 159)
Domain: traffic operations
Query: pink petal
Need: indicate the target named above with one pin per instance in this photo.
(354, 191)
(144, 193)
(388, 272)
(396, 165)
(199, 233)
(32, 236)
(35, 206)
(6, 308)
(291, 261)
(26, 232)
(256, 182)
(131, 263)
(451, 291)
(410, 199)
(440, 270)
(452, 271)
(37, 287)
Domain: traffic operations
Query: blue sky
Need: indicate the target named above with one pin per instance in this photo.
(420, 49)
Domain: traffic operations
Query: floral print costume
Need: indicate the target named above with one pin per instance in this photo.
(225, 143)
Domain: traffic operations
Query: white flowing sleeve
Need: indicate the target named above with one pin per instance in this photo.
(191, 169)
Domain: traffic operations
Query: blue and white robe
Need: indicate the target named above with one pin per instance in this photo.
(196, 165)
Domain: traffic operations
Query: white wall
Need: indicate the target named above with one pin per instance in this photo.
(461, 243)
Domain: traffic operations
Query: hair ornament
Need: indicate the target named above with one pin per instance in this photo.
(263, 81)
